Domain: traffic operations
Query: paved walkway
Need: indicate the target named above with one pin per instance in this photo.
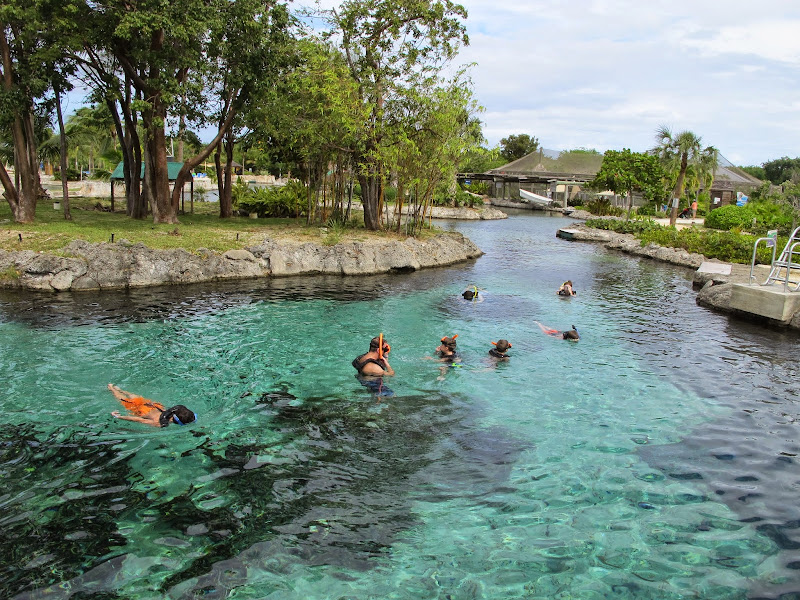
(683, 223)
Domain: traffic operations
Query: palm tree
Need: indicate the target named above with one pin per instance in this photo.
(677, 153)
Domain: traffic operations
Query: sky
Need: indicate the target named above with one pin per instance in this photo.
(605, 74)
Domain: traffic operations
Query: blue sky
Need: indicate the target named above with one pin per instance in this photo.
(605, 74)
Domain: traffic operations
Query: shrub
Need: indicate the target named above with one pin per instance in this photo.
(723, 245)
(602, 207)
(634, 226)
(285, 201)
(755, 217)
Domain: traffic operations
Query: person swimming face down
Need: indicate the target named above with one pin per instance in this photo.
(571, 335)
(178, 414)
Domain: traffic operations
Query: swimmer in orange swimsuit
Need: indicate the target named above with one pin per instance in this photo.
(571, 335)
(150, 412)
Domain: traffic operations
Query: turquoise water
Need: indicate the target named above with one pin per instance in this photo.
(655, 458)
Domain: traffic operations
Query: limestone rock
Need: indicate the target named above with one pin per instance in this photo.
(123, 264)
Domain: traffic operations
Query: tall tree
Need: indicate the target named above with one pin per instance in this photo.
(782, 169)
(624, 172)
(387, 44)
(515, 146)
(247, 51)
(677, 152)
(25, 61)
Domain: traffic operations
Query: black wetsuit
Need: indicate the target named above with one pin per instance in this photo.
(449, 357)
(497, 354)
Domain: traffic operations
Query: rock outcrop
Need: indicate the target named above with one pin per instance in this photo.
(714, 288)
(88, 266)
(629, 244)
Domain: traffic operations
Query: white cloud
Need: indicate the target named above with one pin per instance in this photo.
(606, 73)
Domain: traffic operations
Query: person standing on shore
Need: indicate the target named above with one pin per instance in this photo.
(694, 209)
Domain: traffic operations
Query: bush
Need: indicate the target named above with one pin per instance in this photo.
(648, 210)
(279, 202)
(602, 207)
(72, 174)
(634, 226)
(723, 245)
(757, 218)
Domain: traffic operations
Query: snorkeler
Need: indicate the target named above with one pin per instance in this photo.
(566, 289)
(499, 350)
(374, 362)
(446, 351)
(150, 412)
(571, 334)
(470, 293)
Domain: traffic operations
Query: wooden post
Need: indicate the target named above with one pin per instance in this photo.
(112, 195)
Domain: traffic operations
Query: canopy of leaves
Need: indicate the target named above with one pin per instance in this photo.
(517, 146)
(624, 171)
(781, 170)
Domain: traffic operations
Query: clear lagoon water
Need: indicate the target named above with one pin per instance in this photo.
(655, 458)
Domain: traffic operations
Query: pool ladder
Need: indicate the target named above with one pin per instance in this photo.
(785, 269)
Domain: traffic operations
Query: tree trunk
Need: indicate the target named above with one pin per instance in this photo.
(156, 174)
(22, 197)
(370, 199)
(185, 173)
(63, 160)
(673, 216)
(226, 199)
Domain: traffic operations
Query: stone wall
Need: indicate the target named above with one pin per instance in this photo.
(121, 265)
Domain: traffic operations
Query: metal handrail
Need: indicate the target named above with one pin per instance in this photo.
(789, 268)
(753, 262)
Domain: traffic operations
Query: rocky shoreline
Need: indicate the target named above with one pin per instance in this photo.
(714, 289)
(121, 265)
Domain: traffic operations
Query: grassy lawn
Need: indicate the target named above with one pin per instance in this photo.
(203, 229)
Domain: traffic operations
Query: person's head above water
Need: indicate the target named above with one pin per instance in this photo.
(502, 345)
(470, 294)
(178, 414)
(572, 334)
(449, 342)
(375, 342)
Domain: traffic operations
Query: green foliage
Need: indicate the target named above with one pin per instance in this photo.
(72, 174)
(478, 187)
(284, 201)
(514, 147)
(651, 209)
(723, 245)
(756, 218)
(781, 169)
(634, 226)
(624, 172)
(478, 159)
(755, 171)
(602, 207)
(685, 162)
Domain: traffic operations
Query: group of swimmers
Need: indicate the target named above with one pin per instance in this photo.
(373, 363)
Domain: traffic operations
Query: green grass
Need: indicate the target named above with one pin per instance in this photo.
(204, 229)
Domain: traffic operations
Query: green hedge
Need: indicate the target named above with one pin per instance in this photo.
(729, 246)
(633, 226)
(756, 218)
